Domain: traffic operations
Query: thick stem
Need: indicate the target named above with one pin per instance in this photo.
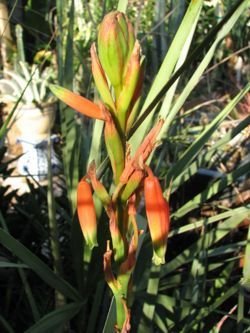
(120, 312)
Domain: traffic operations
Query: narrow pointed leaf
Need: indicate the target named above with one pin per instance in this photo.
(38, 266)
(55, 319)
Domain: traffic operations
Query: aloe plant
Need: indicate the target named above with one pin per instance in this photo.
(36, 84)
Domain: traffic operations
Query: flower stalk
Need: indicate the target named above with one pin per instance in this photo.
(118, 71)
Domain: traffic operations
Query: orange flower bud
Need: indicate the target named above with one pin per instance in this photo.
(77, 102)
(157, 211)
(86, 213)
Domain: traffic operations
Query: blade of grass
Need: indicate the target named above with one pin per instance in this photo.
(4, 264)
(166, 104)
(213, 189)
(122, 5)
(204, 45)
(6, 325)
(22, 274)
(219, 301)
(240, 308)
(195, 148)
(111, 318)
(205, 157)
(148, 310)
(28, 292)
(212, 237)
(38, 266)
(95, 309)
(246, 268)
(200, 223)
(56, 318)
(167, 66)
(201, 68)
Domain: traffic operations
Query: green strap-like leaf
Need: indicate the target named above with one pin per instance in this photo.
(205, 156)
(212, 237)
(55, 319)
(168, 65)
(122, 5)
(246, 268)
(111, 318)
(213, 189)
(6, 325)
(195, 148)
(38, 266)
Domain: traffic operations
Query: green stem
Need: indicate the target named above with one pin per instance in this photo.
(120, 311)
(54, 237)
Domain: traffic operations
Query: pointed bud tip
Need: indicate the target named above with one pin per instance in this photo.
(55, 89)
(157, 261)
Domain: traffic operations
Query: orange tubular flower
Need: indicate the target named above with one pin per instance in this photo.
(77, 102)
(86, 213)
(157, 210)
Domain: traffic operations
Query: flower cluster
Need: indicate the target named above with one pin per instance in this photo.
(118, 68)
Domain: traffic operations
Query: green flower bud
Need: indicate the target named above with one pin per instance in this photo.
(115, 43)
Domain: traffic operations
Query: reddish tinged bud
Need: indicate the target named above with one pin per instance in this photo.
(86, 213)
(108, 273)
(114, 147)
(157, 211)
(134, 106)
(142, 153)
(98, 187)
(117, 240)
(129, 85)
(133, 183)
(77, 102)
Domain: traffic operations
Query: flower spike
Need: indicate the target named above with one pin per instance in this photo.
(77, 102)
